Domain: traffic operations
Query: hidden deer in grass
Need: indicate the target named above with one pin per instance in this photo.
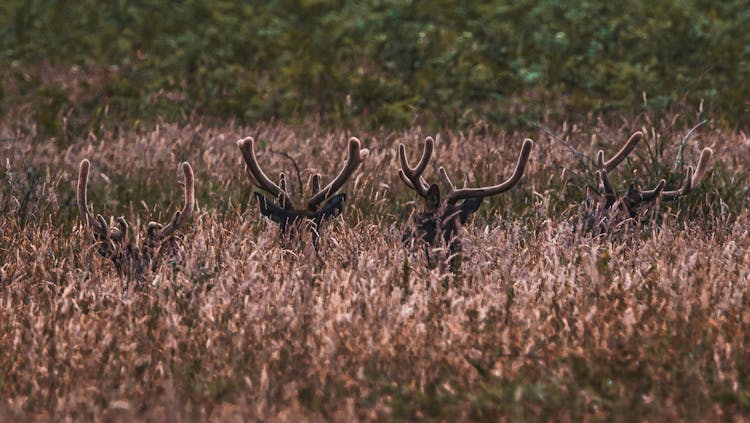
(324, 203)
(441, 217)
(606, 207)
(135, 256)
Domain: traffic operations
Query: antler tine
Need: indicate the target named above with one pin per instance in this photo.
(355, 158)
(692, 177)
(702, 167)
(282, 184)
(182, 216)
(412, 176)
(686, 188)
(123, 231)
(103, 229)
(647, 196)
(612, 163)
(81, 198)
(449, 186)
(460, 194)
(315, 184)
(83, 179)
(258, 178)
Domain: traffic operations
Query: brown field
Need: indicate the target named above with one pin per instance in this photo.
(541, 324)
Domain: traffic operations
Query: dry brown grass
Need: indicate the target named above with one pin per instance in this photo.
(542, 323)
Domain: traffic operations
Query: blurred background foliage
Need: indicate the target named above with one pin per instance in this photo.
(78, 64)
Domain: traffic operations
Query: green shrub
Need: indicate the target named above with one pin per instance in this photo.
(388, 61)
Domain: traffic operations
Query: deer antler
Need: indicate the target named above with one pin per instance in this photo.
(83, 180)
(692, 178)
(412, 176)
(635, 196)
(113, 240)
(651, 195)
(284, 213)
(182, 216)
(605, 186)
(99, 225)
(355, 158)
(455, 195)
(256, 175)
(442, 220)
(612, 163)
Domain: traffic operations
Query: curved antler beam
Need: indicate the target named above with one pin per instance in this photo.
(83, 179)
(256, 174)
(612, 163)
(464, 193)
(355, 158)
(647, 196)
(81, 199)
(182, 216)
(692, 177)
(702, 167)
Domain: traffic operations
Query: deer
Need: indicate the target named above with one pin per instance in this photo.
(442, 217)
(607, 206)
(134, 258)
(323, 205)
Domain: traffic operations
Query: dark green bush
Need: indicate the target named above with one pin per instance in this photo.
(387, 61)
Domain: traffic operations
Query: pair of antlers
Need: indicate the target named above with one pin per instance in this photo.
(692, 176)
(441, 220)
(412, 176)
(114, 240)
(355, 158)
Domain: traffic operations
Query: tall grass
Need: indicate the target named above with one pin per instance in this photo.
(541, 323)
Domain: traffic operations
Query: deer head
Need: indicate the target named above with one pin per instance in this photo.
(607, 205)
(134, 257)
(441, 218)
(323, 204)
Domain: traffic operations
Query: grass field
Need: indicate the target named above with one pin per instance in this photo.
(541, 322)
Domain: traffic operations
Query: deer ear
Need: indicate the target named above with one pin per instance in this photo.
(594, 198)
(432, 200)
(269, 209)
(469, 206)
(333, 207)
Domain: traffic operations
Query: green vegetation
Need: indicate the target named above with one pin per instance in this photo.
(370, 62)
